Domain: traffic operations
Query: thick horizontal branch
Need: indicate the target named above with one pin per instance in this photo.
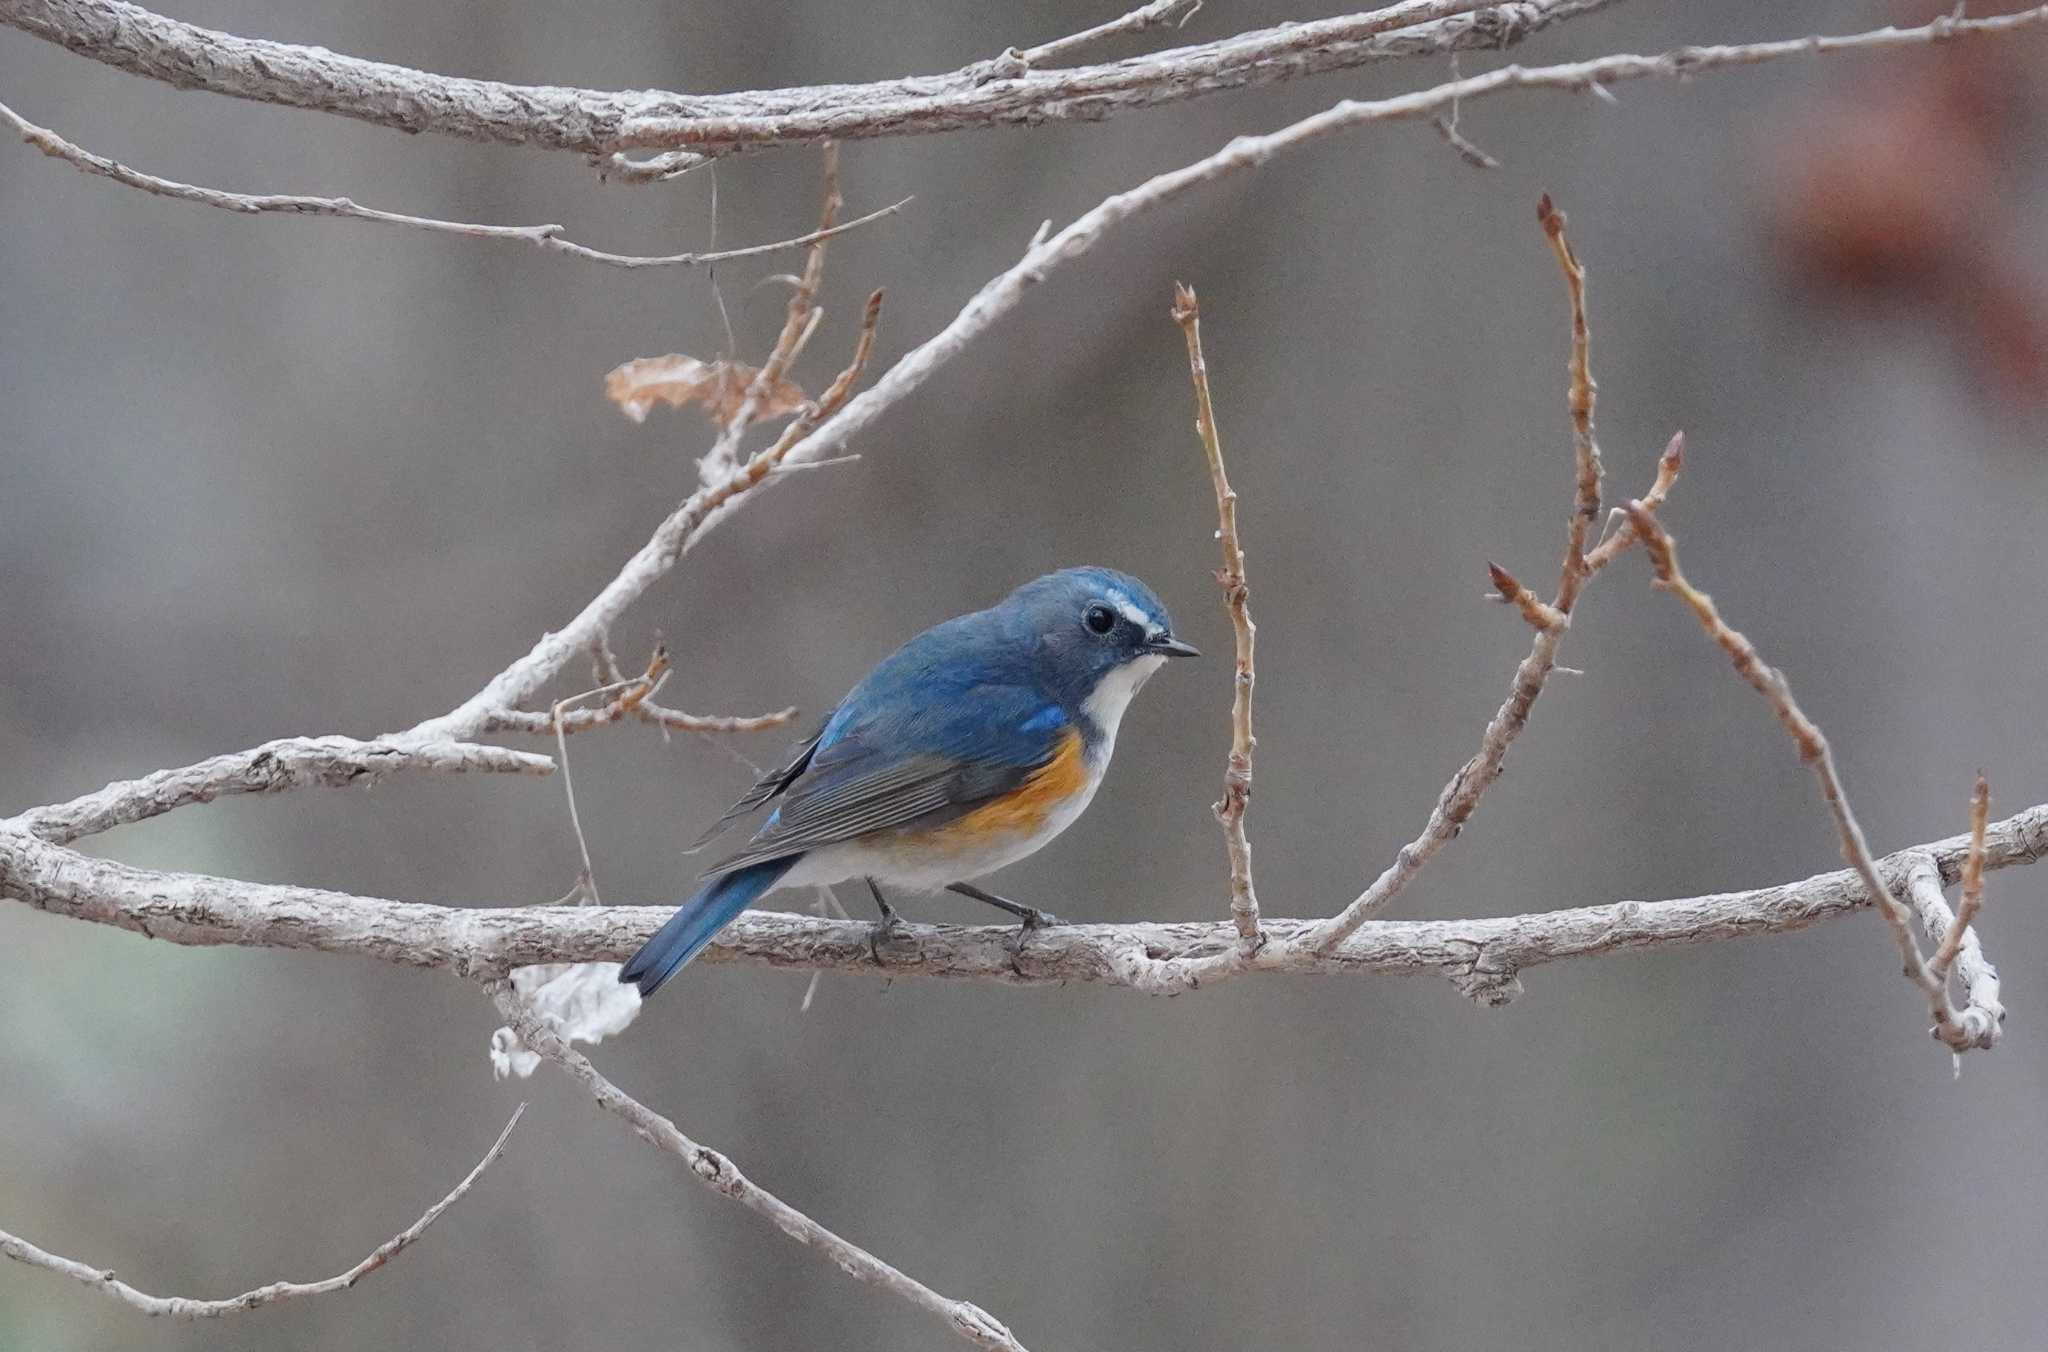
(291, 763)
(186, 1307)
(594, 121)
(1480, 956)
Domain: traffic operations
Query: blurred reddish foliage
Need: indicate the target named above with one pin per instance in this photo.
(1902, 187)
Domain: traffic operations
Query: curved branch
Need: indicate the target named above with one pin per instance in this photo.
(1480, 956)
(545, 237)
(594, 121)
(183, 1307)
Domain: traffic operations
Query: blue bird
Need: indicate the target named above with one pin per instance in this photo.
(967, 749)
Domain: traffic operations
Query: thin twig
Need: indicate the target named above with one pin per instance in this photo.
(1542, 616)
(1237, 773)
(547, 237)
(723, 1177)
(1972, 898)
(1157, 14)
(634, 699)
(1447, 127)
(1668, 466)
(586, 881)
(800, 321)
(182, 1307)
(1814, 751)
(645, 710)
(1579, 396)
(1471, 154)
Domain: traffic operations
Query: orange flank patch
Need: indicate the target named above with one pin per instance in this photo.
(1024, 809)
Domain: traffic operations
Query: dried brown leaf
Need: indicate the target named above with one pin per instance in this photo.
(720, 387)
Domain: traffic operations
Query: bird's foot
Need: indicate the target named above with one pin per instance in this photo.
(889, 933)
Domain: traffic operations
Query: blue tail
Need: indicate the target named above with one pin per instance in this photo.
(699, 920)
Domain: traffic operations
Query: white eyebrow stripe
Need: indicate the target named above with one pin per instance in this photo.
(1132, 611)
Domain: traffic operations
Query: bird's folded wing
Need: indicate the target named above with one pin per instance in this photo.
(851, 790)
(766, 787)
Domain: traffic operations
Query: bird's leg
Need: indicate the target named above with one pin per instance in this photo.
(889, 916)
(885, 929)
(1032, 917)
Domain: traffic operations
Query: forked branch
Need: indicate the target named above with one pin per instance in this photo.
(1460, 797)
(718, 1173)
(1813, 749)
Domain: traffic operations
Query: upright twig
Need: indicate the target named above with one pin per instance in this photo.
(183, 1307)
(722, 1176)
(1814, 751)
(1237, 774)
(1579, 397)
(1972, 898)
(1981, 1014)
(800, 321)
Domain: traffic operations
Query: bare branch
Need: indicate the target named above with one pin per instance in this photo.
(1447, 127)
(1982, 1016)
(635, 699)
(600, 122)
(1481, 956)
(1814, 751)
(1237, 773)
(1585, 448)
(290, 763)
(1542, 616)
(704, 510)
(548, 237)
(1668, 466)
(800, 321)
(718, 1173)
(182, 1307)
(1972, 900)
(644, 709)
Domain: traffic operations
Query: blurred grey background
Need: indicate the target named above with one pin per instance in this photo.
(269, 476)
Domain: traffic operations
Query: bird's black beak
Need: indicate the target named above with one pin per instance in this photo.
(1166, 645)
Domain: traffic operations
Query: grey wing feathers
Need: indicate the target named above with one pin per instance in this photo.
(766, 787)
(843, 802)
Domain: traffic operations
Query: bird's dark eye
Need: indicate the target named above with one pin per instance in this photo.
(1099, 618)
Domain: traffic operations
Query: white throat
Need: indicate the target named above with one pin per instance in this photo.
(1112, 695)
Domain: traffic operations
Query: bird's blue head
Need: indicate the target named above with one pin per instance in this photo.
(1095, 635)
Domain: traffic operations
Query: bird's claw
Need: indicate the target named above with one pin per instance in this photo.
(888, 931)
